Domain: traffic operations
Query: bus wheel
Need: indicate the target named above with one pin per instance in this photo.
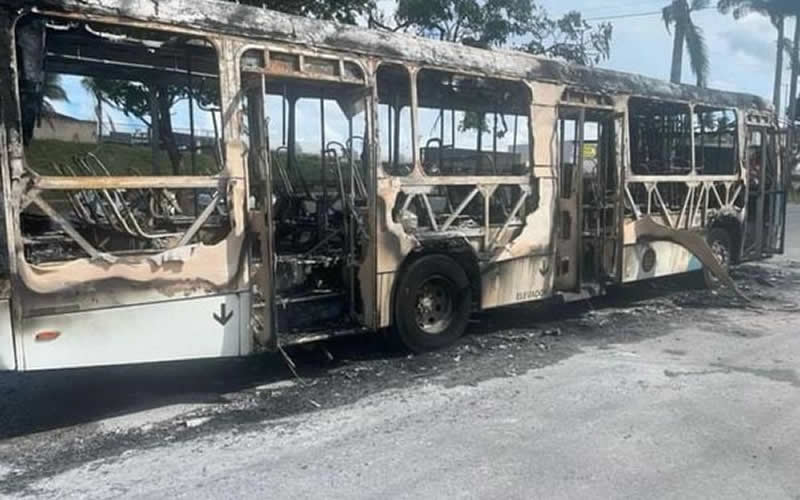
(720, 243)
(432, 304)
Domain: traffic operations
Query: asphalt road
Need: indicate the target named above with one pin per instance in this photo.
(656, 393)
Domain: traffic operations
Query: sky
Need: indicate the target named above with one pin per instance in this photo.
(742, 55)
(742, 52)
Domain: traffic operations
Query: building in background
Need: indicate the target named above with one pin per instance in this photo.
(60, 127)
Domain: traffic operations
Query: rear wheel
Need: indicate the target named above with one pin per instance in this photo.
(432, 304)
(720, 243)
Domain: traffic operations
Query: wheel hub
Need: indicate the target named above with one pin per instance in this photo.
(434, 305)
(720, 252)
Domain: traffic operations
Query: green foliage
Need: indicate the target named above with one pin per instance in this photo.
(53, 91)
(570, 38)
(474, 121)
(486, 24)
(120, 159)
(774, 9)
(310, 167)
(344, 11)
(133, 98)
(517, 24)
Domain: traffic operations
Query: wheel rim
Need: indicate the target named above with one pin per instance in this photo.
(721, 252)
(434, 305)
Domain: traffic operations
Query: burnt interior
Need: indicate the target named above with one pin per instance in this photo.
(91, 71)
(660, 137)
(472, 128)
(765, 194)
(309, 124)
(470, 115)
(716, 141)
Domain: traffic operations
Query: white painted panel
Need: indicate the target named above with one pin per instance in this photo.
(384, 298)
(165, 331)
(518, 280)
(7, 361)
(671, 258)
(245, 333)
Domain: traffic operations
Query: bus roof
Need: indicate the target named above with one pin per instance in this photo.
(239, 20)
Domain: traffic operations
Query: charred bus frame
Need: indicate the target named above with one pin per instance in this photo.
(609, 178)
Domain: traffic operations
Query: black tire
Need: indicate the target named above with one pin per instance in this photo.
(720, 242)
(431, 304)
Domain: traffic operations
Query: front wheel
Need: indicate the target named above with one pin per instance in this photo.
(432, 303)
(720, 243)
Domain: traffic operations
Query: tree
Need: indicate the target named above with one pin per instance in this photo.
(52, 91)
(485, 25)
(571, 38)
(488, 24)
(344, 11)
(678, 15)
(777, 11)
(516, 24)
(141, 99)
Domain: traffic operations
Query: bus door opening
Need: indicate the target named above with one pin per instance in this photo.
(767, 194)
(588, 180)
(310, 131)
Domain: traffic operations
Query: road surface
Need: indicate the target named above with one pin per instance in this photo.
(656, 392)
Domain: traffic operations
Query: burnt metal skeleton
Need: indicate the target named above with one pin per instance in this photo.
(354, 180)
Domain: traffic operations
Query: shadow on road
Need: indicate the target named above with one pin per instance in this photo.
(37, 401)
(40, 401)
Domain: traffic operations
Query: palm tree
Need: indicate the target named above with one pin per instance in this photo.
(777, 11)
(679, 14)
(52, 91)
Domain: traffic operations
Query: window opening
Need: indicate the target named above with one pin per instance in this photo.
(394, 119)
(112, 101)
(471, 125)
(715, 141)
(660, 135)
(569, 133)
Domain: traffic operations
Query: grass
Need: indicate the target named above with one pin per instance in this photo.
(794, 195)
(122, 159)
(119, 159)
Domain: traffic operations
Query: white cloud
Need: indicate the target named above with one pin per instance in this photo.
(742, 52)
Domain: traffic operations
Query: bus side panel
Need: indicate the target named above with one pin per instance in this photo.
(670, 258)
(166, 331)
(519, 280)
(7, 358)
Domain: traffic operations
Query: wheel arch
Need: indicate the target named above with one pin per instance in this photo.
(733, 226)
(455, 248)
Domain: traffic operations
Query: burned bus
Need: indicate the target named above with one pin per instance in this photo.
(203, 179)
